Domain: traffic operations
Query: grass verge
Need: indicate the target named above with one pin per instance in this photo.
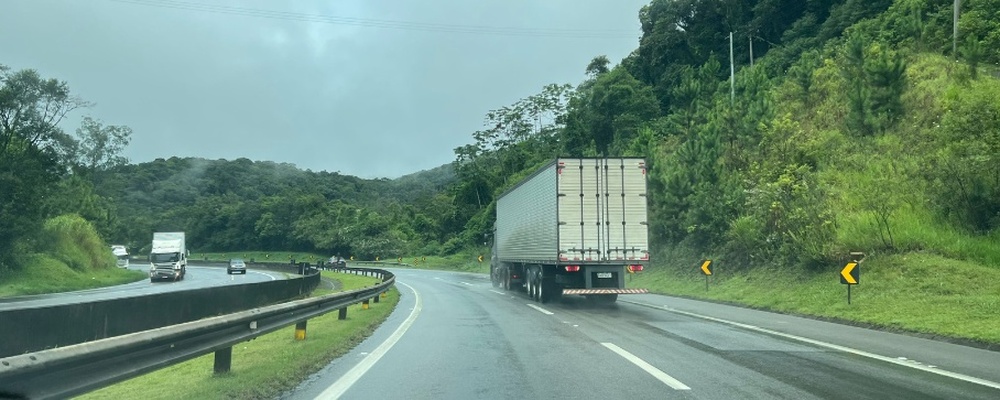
(46, 274)
(265, 367)
(914, 292)
(260, 256)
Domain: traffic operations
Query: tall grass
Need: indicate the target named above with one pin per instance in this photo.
(71, 256)
(917, 229)
(74, 241)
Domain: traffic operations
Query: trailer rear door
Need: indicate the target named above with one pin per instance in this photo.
(602, 210)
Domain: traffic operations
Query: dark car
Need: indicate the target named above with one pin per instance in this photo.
(337, 262)
(237, 266)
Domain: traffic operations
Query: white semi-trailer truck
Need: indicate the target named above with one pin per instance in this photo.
(168, 256)
(576, 226)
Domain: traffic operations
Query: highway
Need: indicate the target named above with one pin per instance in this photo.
(454, 336)
(197, 277)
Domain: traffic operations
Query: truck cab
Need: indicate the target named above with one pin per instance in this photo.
(121, 255)
(167, 266)
(168, 257)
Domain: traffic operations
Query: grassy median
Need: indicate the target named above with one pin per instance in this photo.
(264, 367)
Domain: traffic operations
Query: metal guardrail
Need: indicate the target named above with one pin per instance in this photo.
(401, 264)
(77, 369)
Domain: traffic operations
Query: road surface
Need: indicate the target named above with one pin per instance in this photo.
(197, 277)
(454, 336)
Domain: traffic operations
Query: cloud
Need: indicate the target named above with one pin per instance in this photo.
(372, 89)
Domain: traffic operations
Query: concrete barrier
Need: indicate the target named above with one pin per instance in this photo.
(32, 329)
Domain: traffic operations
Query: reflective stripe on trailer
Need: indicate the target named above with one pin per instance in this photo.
(605, 291)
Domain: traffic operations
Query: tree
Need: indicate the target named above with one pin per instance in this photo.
(31, 109)
(609, 113)
(100, 145)
(598, 66)
(30, 143)
(972, 51)
(853, 68)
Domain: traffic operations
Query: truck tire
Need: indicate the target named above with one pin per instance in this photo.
(537, 291)
(529, 283)
(493, 277)
(541, 292)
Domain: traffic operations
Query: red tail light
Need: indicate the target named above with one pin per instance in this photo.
(572, 268)
(513, 276)
(635, 268)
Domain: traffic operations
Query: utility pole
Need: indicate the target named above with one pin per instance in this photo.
(751, 50)
(954, 32)
(732, 71)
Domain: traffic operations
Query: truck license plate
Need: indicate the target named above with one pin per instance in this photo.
(604, 275)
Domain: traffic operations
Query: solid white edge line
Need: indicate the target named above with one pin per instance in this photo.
(500, 293)
(655, 372)
(261, 273)
(541, 310)
(345, 382)
(938, 371)
(466, 283)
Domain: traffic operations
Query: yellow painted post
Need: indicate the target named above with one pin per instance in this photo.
(300, 330)
(383, 295)
(364, 305)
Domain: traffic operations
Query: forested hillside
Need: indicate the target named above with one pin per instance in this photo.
(852, 128)
(850, 125)
(241, 204)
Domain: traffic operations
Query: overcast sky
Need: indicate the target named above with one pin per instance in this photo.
(371, 88)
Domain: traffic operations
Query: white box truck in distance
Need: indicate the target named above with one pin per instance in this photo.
(121, 255)
(575, 226)
(168, 256)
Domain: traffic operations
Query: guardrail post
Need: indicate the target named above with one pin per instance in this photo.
(300, 330)
(223, 360)
(364, 304)
(384, 294)
(375, 299)
(343, 314)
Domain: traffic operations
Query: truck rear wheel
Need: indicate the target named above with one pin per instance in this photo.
(531, 283)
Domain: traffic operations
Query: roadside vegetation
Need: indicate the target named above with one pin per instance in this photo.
(915, 293)
(72, 257)
(267, 366)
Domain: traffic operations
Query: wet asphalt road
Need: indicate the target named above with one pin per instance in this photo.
(457, 337)
(197, 277)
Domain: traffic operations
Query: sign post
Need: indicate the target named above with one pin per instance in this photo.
(706, 268)
(850, 275)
